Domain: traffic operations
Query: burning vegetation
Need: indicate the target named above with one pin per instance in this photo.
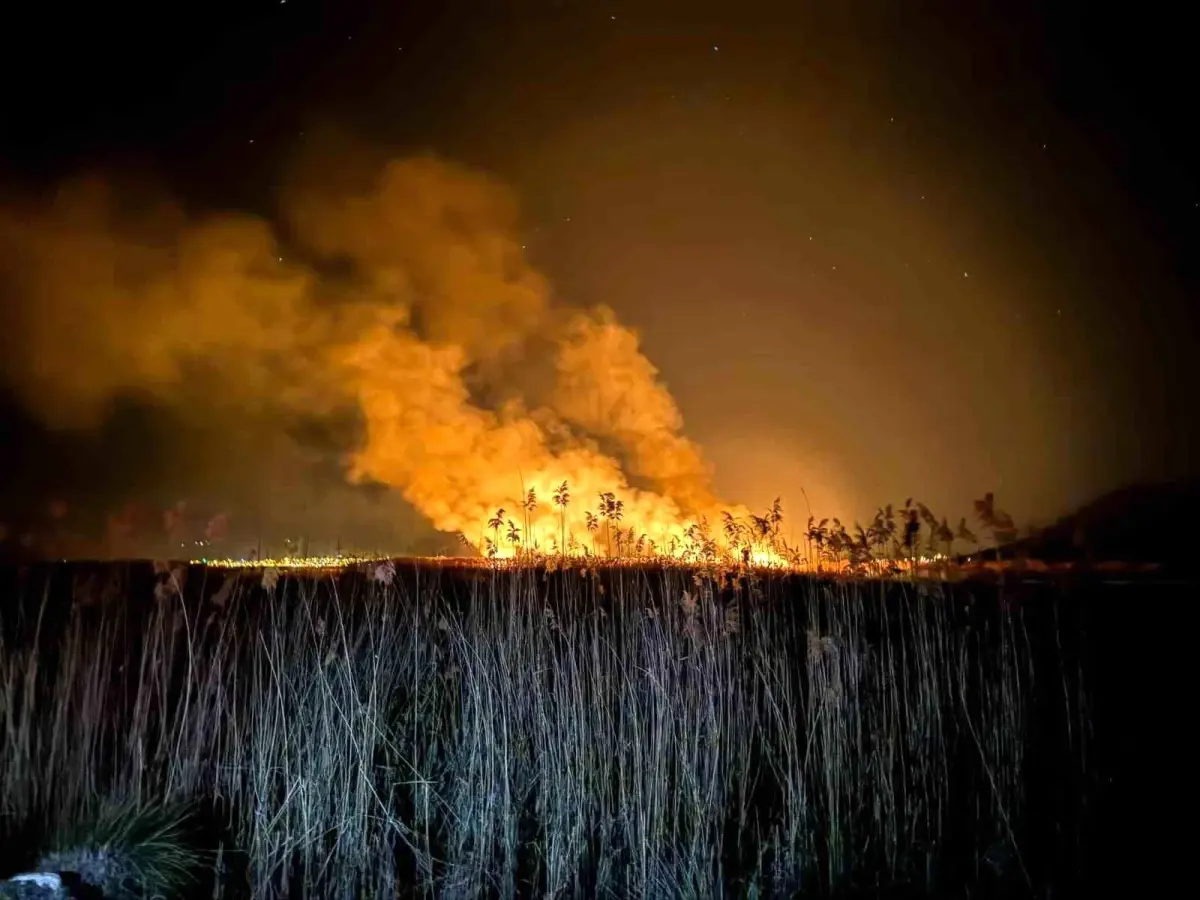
(402, 296)
(398, 301)
(395, 308)
(897, 540)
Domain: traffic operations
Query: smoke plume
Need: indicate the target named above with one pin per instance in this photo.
(392, 300)
(608, 387)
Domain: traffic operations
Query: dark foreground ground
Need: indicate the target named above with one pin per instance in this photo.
(1021, 737)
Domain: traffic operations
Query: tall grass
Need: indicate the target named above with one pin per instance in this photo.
(660, 732)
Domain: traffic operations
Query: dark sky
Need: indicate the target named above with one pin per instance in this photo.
(876, 249)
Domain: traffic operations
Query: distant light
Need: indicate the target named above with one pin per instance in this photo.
(715, 48)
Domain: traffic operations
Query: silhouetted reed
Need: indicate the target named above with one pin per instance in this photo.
(563, 731)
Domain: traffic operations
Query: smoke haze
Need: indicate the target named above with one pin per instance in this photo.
(346, 347)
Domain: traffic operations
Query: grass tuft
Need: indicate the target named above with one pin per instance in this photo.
(129, 850)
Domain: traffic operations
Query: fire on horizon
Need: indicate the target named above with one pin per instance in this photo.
(589, 275)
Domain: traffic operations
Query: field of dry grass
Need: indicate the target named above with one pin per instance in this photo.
(621, 730)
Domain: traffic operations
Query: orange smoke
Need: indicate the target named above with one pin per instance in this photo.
(146, 302)
(459, 464)
(432, 238)
(607, 387)
(390, 298)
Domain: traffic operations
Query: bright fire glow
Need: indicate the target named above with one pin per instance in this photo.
(762, 559)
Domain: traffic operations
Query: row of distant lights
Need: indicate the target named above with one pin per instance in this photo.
(300, 562)
(342, 561)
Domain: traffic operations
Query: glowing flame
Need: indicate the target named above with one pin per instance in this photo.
(442, 301)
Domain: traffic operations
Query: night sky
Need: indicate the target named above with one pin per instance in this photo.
(876, 250)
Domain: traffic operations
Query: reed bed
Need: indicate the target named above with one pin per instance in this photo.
(611, 731)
